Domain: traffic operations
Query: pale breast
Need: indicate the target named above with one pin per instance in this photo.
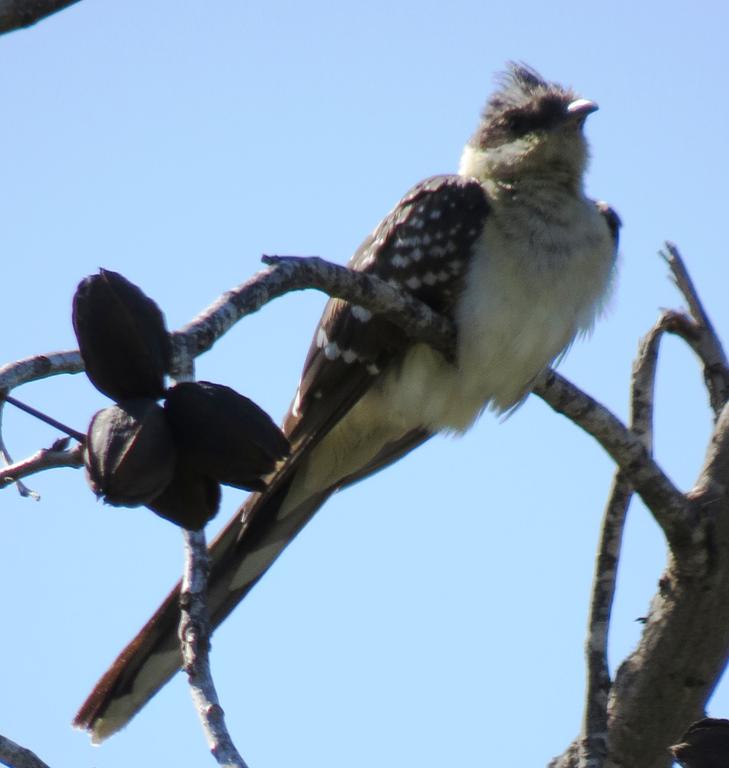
(533, 285)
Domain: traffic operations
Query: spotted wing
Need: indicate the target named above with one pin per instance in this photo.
(423, 246)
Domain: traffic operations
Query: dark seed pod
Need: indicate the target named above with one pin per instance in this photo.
(704, 745)
(122, 337)
(130, 453)
(190, 500)
(225, 435)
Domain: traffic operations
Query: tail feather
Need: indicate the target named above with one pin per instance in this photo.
(239, 557)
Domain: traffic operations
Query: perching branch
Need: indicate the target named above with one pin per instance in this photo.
(665, 501)
(418, 321)
(15, 756)
(296, 273)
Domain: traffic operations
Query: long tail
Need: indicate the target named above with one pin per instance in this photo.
(240, 555)
(242, 552)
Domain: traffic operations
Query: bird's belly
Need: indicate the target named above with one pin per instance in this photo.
(519, 312)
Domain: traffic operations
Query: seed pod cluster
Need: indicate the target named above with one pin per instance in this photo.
(173, 458)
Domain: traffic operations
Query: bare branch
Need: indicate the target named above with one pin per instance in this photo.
(668, 505)
(293, 273)
(16, 14)
(195, 645)
(7, 459)
(46, 458)
(417, 320)
(15, 756)
(39, 367)
(32, 369)
(593, 744)
(593, 747)
(698, 331)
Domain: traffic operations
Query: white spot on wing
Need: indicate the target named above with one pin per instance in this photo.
(349, 356)
(297, 402)
(399, 261)
(332, 351)
(413, 283)
(361, 314)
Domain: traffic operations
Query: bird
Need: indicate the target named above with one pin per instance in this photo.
(511, 250)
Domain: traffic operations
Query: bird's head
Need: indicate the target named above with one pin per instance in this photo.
(530, 129)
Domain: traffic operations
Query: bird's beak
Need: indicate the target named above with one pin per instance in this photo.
(581, 108)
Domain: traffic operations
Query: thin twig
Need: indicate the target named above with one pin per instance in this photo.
(593, 747)
(7, 459)
(46, 458)
(195, 645)
(15, 756)
(194, 628)
(698, 331)
(60, 426)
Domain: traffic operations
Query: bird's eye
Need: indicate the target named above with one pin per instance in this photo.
(519, 124)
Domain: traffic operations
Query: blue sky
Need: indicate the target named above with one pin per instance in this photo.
(424, 616)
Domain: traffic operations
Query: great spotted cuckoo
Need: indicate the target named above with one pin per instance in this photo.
(511, 250)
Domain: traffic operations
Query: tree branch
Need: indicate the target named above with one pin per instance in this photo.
(664, 684)
(195, 646)
(46, 458)
(665, 501)
(39, 367)
(698, 331)
(296, 273)
(593, 747)
(16, 14)
(15, 756)
(418, 321)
